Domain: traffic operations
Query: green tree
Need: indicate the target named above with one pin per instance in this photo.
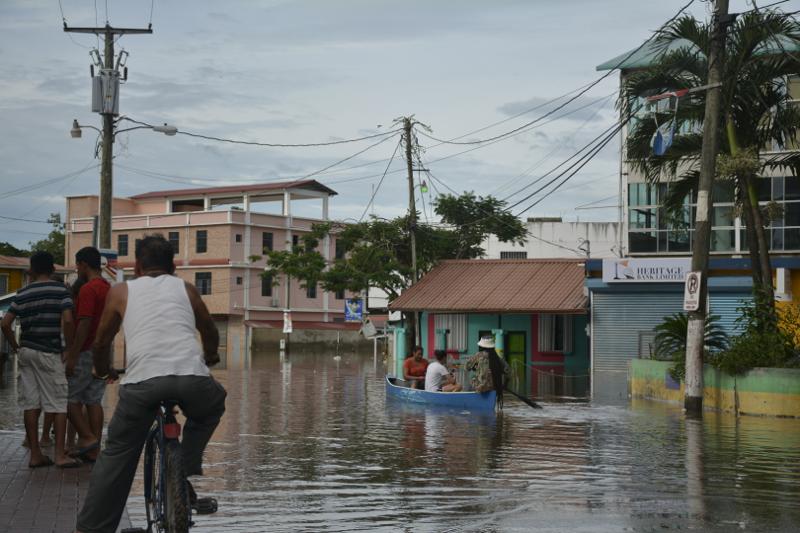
(757, 112)
(670, 340)
(9, 249)
(54, 242)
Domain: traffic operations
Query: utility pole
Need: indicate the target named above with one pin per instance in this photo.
(695, 335)
(412, 218)
(412, 208)
(106, 162)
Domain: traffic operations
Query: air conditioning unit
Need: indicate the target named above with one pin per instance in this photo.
(276, 301)
(783, 284)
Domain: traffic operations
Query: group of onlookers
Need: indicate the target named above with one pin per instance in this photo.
(489, 370)
(58, 325)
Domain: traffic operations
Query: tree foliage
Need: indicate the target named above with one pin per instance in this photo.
(55, 240)
(9, 249)
(377, 252)
(670, 340)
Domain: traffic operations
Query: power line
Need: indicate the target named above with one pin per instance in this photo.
(273, 145)
(572, 99)
(372, 198)
(44, 183)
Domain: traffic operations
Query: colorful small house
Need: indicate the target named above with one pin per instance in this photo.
(536, 310)
(13, 273)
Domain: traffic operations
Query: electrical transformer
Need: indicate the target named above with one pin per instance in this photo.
(105, 92)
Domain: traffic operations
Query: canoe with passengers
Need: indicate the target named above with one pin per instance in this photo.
(469, 400)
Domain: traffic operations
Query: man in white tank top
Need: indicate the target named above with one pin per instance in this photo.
(160, 314)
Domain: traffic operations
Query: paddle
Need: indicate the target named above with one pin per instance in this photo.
(524, 399)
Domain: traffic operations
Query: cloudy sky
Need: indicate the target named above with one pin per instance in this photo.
(285, 71)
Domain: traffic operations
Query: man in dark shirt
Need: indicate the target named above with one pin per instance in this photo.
(41, 307)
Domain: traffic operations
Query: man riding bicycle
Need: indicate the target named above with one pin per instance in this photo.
(159, 313)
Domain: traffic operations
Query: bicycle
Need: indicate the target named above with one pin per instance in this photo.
(169, 497)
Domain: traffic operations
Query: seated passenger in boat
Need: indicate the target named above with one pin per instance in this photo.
(414, 368)
(438, 378)
(491, 372)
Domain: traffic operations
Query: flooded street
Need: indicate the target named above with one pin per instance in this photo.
(309, 443)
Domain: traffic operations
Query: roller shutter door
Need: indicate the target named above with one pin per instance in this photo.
(622, 324)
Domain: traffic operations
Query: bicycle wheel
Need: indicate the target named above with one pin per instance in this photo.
(176, 497)
(152, 489)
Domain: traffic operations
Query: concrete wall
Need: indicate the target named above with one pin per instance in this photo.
(761, 391)
(324, 341)
(602, 237)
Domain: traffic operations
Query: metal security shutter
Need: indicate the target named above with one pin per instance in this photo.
(619, 320)
(726, 306)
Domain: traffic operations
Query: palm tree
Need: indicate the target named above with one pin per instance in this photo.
(670, 340)
(757, 112)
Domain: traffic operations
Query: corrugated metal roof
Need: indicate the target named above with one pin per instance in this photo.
(499, 286)
(24, 263)
(313, 185)
(8, 261)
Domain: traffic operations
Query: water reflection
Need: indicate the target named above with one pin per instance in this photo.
(309, 443)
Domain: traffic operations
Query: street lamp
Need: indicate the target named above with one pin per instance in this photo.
(109, 134)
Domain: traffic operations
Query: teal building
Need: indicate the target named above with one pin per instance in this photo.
(535, 309)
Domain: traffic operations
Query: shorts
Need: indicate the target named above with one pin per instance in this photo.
(42, 381)
(83, 387)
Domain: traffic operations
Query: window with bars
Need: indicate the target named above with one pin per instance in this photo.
(266, 285)
(555, 333)
(202, 241)
(202, 280)
(339, 295)
(456, 324)
(266, 242)
(311, 290)
(122, 245)
(513, 255)
(175, 241)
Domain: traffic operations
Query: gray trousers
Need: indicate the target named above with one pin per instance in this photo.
(202, 401)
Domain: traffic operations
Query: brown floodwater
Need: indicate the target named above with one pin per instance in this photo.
(310, 443)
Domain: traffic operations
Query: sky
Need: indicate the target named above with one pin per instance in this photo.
(283, 71)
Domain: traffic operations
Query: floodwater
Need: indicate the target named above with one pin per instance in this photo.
(310, 443)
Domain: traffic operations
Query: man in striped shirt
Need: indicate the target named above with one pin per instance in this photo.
(41, 307)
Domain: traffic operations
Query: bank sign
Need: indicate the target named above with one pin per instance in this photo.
(661, 270)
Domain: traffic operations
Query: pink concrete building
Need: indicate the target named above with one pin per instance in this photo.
(220, 246)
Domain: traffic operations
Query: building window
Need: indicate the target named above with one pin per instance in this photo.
(122, 245)
(339, 254)
(202, 280)
(238, 237)
(513, 255)
(339, 294)
(266, 242)
(266, 285)
(555, 333)
(457, 331)
(311, 290)
(295, 241)
(3, 284)
(175, 241)
(238, 280)
(202, 241)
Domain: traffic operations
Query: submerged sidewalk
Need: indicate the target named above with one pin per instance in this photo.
(38, 500)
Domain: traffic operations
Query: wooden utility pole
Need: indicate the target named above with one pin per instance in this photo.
(412, 217)
(106, 161)
(695, 335)
(412, 208)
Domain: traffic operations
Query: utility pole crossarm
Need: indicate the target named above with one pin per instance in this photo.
(108, 29)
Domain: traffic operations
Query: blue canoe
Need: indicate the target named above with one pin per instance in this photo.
(470, 401)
